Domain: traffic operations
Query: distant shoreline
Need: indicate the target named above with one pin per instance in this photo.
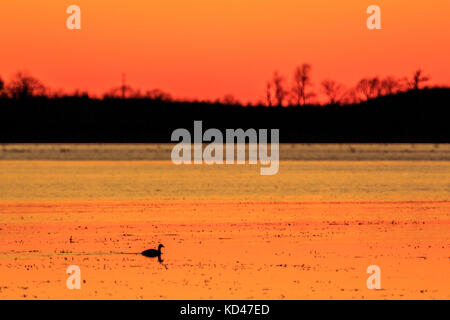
(162, 151)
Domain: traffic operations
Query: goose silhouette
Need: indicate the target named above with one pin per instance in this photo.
(152, 253)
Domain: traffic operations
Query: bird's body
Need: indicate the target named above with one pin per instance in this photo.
(152, 253)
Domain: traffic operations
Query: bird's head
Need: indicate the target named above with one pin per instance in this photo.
(160, 246)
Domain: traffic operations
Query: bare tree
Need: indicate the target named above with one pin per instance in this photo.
(279, 86)
(333, 91)
(390, 85)
(2, 89)
(369, 87)
(25, 86)
(418, 78)
(375, 87)
(157, 94)
(81, 94)
(136, 94)
(350, 96)
(302, 79)
(229, 99)
(363, 88)
(269, 94)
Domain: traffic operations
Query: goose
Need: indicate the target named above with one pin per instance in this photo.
(152, 253)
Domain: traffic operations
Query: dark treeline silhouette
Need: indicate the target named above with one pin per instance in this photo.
(301, 92)
(375, 110)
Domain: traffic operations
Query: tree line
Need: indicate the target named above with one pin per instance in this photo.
(301, 91)
(279, 92)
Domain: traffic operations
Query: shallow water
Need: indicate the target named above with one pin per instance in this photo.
(296, 181)
(225, 250)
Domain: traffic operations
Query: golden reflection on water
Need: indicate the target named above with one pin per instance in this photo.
(296, 181)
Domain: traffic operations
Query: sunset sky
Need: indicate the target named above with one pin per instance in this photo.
(208, 48)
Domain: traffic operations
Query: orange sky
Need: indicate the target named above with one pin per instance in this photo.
(209, 48)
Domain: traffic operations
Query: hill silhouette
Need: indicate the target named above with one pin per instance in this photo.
(412, 116)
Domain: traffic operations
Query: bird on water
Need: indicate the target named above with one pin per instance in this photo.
(152, 253)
